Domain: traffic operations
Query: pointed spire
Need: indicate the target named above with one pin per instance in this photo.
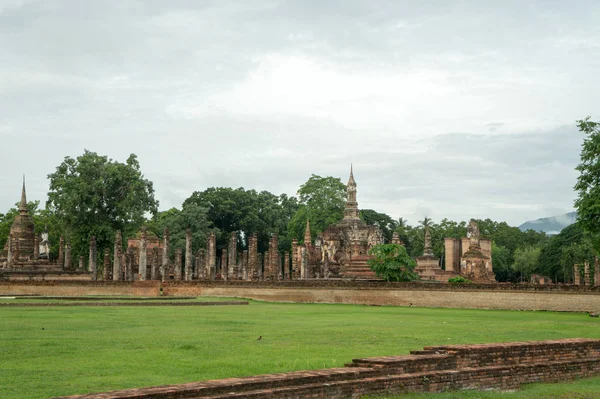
(23, 210)
(307, 239)
(351, 179)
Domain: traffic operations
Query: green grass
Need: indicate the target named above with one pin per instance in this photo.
(55, 351)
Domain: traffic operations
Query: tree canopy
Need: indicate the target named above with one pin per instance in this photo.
(588, 182)
(94, 195)
(321, 200)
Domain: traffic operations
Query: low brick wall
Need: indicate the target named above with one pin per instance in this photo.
(80, 288)
(426, 295)
(480, 296)
(434, 369)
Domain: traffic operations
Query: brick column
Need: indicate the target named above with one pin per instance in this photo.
(224, 267)
(93, 261)
(576, 275)
(232, 263)
(117, 265)
(177, 266)
(189, 257)
(106, 265)
(143, 266)
(164, 269)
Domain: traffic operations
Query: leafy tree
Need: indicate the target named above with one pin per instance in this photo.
(502, 261)
(391, 262)
(526, 261)
(559, 254)
(322, 201)
(94, 195)
(177, 221)
(588, 182)
(248, 211)
(383, 221)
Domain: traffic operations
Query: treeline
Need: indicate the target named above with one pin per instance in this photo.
(94, 195)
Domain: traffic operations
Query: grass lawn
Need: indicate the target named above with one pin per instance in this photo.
(53, 351)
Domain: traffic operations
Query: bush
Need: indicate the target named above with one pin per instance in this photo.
(459, 280)
(391, 262)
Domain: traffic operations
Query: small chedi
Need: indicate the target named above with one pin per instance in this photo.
(23, 250)
(470, 256)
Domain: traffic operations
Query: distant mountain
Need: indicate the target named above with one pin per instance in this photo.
(550, 225)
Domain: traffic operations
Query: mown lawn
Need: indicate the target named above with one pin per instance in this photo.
(53, 351)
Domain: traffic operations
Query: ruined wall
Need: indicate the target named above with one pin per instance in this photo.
(434, 369)
(492, 296)
(409, 295)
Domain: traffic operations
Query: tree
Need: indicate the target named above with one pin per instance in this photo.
(249, 211)
(383, 221)
(94, 195)
(177, 221)
(588, 182)
(321, 200)
(502, 260)
(391, 262)
(526, 261)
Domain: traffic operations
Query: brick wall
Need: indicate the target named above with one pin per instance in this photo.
(427, 295)
(474, 296)
(434, 369)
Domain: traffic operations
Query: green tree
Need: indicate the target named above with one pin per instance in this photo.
(502, 261)
(321, 200)
(94, 195)
(526, 261)
(588, 182)
(191, 216)
(246, 211)
(383, 221)
(391, 262)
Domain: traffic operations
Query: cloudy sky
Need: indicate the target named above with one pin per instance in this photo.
(452, 109)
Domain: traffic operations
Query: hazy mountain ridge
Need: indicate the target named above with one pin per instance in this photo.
(550, 225)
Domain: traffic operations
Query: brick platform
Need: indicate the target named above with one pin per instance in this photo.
(433, 369)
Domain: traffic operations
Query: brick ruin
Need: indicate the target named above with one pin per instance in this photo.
(470, 256)
(340, 251)
(503, 366)
(25, 250)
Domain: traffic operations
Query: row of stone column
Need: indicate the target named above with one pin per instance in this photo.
(586, 273)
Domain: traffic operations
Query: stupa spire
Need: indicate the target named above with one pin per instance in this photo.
(307, 236)
(23, 210)
(351, 210)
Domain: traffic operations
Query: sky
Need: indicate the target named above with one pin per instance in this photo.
(446, 109)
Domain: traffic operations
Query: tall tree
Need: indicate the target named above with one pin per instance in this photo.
(322, 202)
(526, 261)
(94, 195)
(588, 182)
(249, 211)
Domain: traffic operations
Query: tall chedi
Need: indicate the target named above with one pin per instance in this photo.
(22, 229)
(351, 213)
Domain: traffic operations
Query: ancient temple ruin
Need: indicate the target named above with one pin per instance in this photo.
(342, 249)
(23, 250)
(470, 256)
